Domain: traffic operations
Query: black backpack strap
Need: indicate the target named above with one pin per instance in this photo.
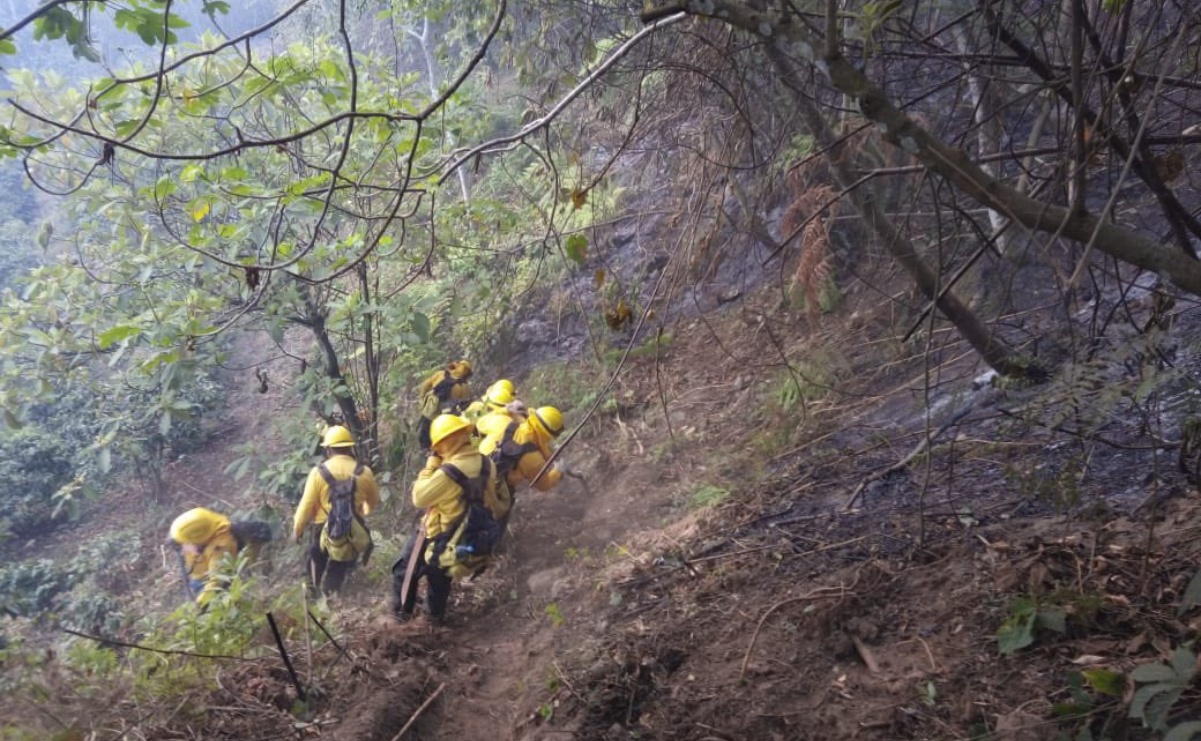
(473, 487)
(454, 474)
(443, 388)
(325, 474)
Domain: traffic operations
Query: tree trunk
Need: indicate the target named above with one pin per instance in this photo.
(996, 353)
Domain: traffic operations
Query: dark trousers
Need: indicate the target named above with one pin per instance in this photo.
(320, 565)
(423, 433)
(437, 583)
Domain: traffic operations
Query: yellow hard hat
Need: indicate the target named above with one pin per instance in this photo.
(499, 394)
(197, 526)
(460, 369)
(337, 437)
(547, 419)
(445, 425)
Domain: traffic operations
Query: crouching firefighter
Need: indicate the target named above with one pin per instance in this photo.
(203, 537)
(463, 510)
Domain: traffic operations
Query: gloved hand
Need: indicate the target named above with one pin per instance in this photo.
(432, 463)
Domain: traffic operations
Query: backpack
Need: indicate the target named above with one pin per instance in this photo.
(342, 512)
(506, 455)
(480, 529)
(249, 532)
(437, 399)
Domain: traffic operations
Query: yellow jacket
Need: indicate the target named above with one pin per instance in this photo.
(460, 391)
(492, 425)
(529, 464)
(206, 537)
(439, 495)
(314, 503)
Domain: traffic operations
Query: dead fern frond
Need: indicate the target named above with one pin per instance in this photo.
(813, 270)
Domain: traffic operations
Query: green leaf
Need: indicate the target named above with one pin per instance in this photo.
(1146, 673)
(420, 324)
(116, 334)
(234, 173)
(1158, 709)
(190, 172)
(1051, 620)
(1106, 681)
(1184, 663)
(1184, 731)
(577, 248)
(163, 188)
(164, 423)
(1192, 594)
(1016, 633)
(238, 468)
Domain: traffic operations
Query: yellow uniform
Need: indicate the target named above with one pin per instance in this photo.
(314, 503)
(204, 538)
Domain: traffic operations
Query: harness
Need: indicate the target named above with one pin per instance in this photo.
(441, 392)
(471, 539)
(474, 487)
(442, 389)
(360, 547)
(506, 455)
(330, 480)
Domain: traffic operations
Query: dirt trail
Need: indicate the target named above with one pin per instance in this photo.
(496, 649)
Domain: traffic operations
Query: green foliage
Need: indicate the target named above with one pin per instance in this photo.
(279, 475)
(1026, 618)
(708, 495)
(829, 296)
(572, 387)
(555, 614)
(75, 590)
(1160, 687)
(655, 347)
(927, 692)
(1057, 485)
(31, 587)
(35, 465)
(1085, 716)
(1192, 594)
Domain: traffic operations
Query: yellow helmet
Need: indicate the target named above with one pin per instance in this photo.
(499, 394)
(445, 425)
(548, 420)
(197, 526)
(337, 437)
(459, 369)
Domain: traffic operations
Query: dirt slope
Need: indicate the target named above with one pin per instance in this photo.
(742, 562)
(622, 612)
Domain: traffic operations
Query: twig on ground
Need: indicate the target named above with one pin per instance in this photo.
(865, 653)
(921, 447)
(170, 651)
(819, 593)
(417, 713)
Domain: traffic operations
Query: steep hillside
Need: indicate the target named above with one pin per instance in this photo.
(779, 530)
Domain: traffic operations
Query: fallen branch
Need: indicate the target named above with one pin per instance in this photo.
(279, 642)
(901, 464)
(865, 653)
(819, 593)
(417, 713)
(170, 651)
